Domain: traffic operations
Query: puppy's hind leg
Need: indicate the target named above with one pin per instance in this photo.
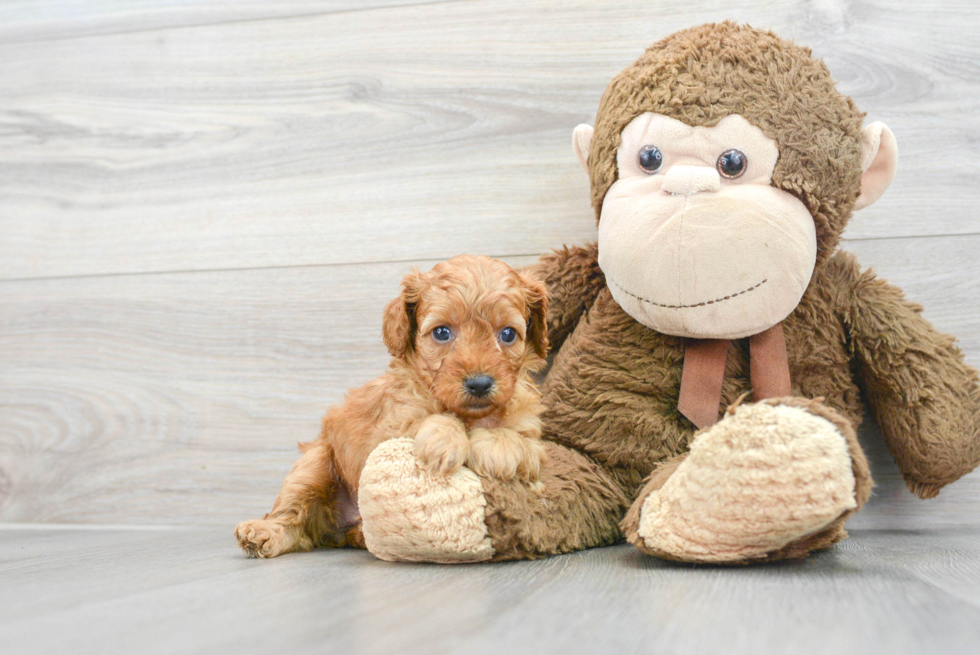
(309, 512)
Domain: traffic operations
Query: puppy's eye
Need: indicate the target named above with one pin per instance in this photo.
(651, 159)
(732, 163)
(442, 334)
(508, 335)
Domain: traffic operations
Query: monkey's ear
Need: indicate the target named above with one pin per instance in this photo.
(582, 143)
(536, 297)
(399, 325)
(879, 159)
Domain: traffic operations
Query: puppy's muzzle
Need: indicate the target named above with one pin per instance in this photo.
(478, 386)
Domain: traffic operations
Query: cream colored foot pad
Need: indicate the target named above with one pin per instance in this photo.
(758, 480)
(411, 516)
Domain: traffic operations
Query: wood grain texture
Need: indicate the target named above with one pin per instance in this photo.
(335, 139)
(190, 591)
(42, 20)
(179, 398)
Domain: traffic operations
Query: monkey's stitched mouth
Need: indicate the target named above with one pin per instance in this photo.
(700, 304)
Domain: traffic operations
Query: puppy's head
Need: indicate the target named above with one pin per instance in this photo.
(470, 328)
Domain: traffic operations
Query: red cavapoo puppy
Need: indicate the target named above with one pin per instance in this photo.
(464, 339)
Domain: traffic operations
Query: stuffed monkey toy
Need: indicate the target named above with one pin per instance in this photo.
(712, 351)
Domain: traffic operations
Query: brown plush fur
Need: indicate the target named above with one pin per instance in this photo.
(611, 395)
(529, 525)
(422, 394)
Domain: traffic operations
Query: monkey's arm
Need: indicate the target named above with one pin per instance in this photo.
(573, 279)
(925, 398)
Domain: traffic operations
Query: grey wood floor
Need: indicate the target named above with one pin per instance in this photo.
(186, 591)
(204, 207)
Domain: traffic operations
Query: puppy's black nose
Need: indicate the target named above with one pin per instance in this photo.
(478, 385)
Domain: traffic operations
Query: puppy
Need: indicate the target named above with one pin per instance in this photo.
(464, 339)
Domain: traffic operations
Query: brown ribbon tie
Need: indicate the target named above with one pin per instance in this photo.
(704, 373)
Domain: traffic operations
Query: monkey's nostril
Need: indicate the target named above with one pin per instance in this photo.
(478, 385)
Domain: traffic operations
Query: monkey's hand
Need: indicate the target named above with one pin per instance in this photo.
(441, 444)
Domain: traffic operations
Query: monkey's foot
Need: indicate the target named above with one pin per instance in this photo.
(772, 480)
(410, 515)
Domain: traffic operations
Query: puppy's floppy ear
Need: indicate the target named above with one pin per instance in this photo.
(398, 327)
(536, 297)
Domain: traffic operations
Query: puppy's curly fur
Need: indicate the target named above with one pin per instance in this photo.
(435, 389)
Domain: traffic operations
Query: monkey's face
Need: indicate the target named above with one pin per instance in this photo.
(693, 238)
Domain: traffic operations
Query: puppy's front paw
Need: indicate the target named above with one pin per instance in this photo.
(441, 445)
(530, 467)
(505, 454)
(261, 538)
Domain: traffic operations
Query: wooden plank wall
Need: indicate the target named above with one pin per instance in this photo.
(204, 207)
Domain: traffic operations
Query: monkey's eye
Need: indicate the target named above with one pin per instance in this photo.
(508, 335)
(732, 164)
(442, 334)
(651, 159)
